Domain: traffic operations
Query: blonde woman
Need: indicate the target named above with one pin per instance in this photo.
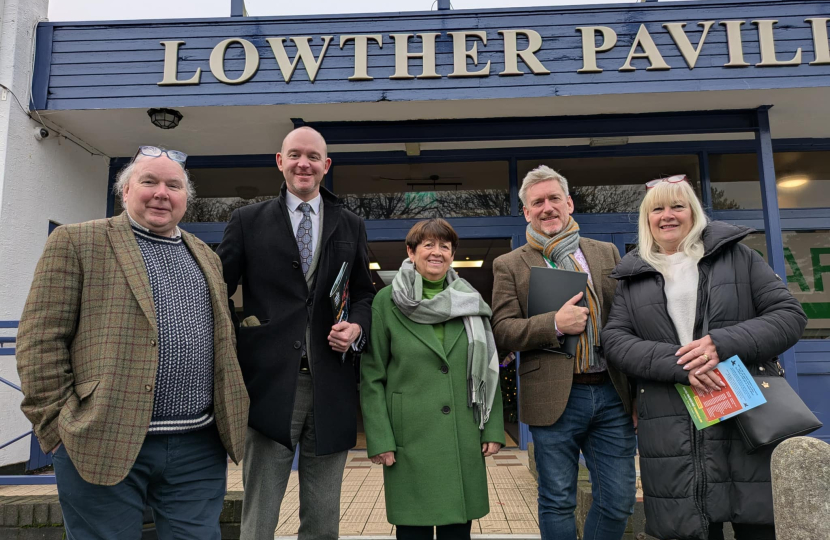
(694, 481)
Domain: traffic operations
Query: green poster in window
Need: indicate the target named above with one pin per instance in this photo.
(420, 199)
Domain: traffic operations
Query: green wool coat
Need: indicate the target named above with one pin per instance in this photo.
(413, 392)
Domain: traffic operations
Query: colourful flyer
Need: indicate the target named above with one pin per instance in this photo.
(741, 394)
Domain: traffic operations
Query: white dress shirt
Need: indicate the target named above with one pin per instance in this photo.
(292, 202)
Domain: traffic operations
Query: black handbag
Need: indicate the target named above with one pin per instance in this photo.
(784, 415)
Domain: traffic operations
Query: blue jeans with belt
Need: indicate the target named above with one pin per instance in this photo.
(595, 422)
(181, 477)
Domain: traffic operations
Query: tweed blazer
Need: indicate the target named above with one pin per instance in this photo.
(87, 350)
(545, 378)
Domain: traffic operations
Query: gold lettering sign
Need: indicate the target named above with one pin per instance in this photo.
(171, 66)
(312, 65)
(465, 49)
(678, 34)
(427, 56)
(217, 61)
(820, 43)
(735, 44)
(361, 54)
(512, 54)
(460, 53)
(768, 46)
(590, 49)
(650, 52)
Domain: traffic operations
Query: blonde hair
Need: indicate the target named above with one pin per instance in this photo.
(542, 173)
(667, 194)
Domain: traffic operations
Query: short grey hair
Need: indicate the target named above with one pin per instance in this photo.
(124, 175)
(542, 173)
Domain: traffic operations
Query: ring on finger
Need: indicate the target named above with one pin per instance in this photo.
(706, 356)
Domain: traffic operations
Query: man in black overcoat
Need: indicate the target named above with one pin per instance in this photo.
(287, 253)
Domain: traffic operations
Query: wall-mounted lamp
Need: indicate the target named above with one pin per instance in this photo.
(165, 118)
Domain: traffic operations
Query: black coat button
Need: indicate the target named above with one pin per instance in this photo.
(445, 370)
(295, 264)
(309, 302)
(297, 344)
(445, 409)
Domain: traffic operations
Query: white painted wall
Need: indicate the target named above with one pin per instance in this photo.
(52, 179)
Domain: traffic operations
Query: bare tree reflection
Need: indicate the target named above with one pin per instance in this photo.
(427, 204)
(606, 199)
(204, 210)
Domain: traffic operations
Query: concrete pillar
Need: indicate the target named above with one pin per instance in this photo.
(801, 489)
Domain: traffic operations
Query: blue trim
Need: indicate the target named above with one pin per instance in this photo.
(515, 203)
(705, 181)
(772, 220)
(700, 5)
(551, 127)
(42, 67)
(115, 166)
(28, 480)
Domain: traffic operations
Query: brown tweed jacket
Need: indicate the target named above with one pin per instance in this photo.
(87, 355)
(545, 378)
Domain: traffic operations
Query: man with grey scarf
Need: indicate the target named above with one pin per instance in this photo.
(571, 404)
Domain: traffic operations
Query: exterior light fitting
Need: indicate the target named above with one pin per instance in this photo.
(467, 264)
(165, 118)
(792, 182)
(374, 266)
(413, 148)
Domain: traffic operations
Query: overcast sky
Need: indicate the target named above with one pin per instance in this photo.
(88, 10)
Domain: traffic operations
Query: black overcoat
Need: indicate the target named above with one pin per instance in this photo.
(691, 478)
(260, 250)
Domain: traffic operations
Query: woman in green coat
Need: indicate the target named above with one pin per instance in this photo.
(430, 391)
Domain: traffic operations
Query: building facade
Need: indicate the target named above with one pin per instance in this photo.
(441, 114)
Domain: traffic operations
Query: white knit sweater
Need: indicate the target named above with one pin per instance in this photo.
(681, 294)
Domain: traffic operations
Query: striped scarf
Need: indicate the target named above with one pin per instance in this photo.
(560, 250)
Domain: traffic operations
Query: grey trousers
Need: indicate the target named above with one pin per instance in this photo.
(267, 467)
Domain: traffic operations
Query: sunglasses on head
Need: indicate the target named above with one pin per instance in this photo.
(670, 180)
(155, 151)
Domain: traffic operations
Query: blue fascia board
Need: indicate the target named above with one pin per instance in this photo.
(42, 67)
(404, 14)
(503, 154)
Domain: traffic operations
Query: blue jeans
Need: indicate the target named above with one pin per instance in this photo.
(181, 477)
(596, 423)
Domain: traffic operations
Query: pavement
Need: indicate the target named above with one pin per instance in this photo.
(511, 487)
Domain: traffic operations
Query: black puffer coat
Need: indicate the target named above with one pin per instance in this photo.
(691, 478)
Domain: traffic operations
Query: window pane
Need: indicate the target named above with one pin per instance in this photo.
(221, 191)
(807, 254)
(803, 180)
(614, 184)
(735, 184)
(424, 190)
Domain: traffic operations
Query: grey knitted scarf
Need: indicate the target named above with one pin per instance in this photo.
(459, 299)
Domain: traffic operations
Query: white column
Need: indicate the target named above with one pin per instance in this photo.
(51, 179)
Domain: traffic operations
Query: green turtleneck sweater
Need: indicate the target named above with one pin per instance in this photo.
(431, 288)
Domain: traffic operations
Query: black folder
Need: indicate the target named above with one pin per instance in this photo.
(549, 289)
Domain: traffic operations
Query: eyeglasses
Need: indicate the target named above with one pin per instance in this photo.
(155, 151)
(670, 180)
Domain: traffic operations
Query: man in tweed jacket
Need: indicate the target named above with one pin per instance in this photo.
(126, 355)
(571, 404)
